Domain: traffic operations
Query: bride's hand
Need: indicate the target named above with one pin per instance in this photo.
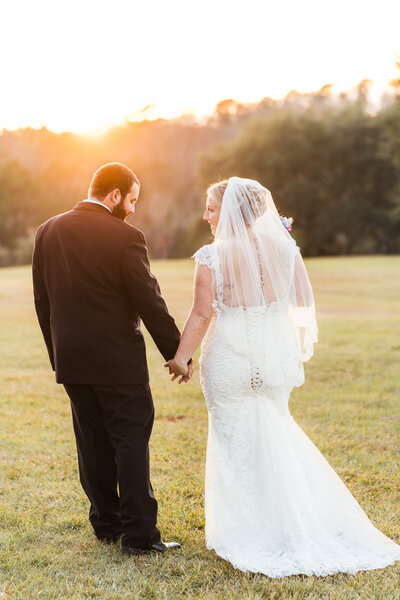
(177, 368)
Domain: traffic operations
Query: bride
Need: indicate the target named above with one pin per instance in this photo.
(273, 504)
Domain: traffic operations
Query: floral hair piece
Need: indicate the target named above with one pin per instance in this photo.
(287, 222)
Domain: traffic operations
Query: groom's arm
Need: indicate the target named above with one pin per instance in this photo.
(42, 304)
(145, 295)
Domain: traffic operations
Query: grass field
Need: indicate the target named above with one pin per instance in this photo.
(349, 406)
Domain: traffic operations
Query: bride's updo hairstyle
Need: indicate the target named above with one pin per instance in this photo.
(252, 210)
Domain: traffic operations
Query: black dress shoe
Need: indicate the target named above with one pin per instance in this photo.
(157, 547)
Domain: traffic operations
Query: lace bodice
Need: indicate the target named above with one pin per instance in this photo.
(261, 335)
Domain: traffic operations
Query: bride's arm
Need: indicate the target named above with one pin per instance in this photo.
(197, 322)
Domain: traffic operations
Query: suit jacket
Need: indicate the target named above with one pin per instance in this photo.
(92, 285)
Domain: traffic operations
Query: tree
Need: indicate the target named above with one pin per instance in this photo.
(16, 213)
(328, 173)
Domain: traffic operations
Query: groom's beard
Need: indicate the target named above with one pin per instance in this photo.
(119, 212)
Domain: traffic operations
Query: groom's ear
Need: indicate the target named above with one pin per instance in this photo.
(115, 196)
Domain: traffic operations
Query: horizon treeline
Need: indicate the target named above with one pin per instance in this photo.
(329, 162)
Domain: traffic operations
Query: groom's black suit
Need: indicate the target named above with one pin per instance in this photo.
(92, 285)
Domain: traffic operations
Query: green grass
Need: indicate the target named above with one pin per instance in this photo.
(349, 406)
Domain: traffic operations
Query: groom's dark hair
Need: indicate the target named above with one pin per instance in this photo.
(113, 176)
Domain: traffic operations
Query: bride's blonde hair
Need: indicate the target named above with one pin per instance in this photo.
(216, 192)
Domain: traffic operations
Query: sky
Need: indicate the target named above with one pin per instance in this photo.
(84, 65)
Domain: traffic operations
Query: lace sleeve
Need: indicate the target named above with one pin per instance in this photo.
(203, 256)
(208, 256)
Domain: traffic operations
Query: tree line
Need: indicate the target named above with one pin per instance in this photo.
(332, 163)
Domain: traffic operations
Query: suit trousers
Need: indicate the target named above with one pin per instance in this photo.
(112, 425)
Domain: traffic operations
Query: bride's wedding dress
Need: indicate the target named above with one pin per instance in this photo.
(273, 504)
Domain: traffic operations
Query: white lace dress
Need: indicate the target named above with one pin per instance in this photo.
(273, 504)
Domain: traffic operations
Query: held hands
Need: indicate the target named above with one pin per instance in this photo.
(180, 369)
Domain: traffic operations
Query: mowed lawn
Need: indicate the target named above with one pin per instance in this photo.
(349, 406)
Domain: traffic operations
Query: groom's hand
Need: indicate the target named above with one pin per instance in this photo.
(188, 376)
(180, 369)
(190, 373)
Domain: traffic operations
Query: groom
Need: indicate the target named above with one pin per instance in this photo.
(92, 285)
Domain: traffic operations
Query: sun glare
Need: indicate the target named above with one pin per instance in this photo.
(84, 67)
